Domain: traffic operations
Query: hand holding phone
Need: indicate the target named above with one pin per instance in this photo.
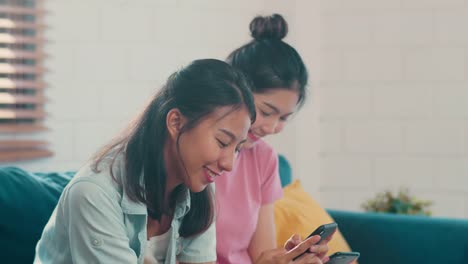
(343, 257)
(324, 231)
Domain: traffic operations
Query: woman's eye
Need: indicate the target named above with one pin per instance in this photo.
(265, 113)
(222, 144)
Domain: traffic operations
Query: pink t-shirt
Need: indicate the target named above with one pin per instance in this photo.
(253, 182)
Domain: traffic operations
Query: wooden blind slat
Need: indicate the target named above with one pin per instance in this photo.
(8, 38)
(19, 54)
(21, 10)
(8, 83)
(21, 81)
(7, 98)
(21, 128)
(9, 68)
(21, 114)
(15, 24)
(21, 155)
(21, 144)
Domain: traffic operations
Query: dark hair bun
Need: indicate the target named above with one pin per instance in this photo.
(269, 27)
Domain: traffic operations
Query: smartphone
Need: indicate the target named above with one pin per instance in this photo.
(324, 231)
(343, 257)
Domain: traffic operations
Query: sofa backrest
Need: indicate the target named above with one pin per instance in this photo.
(26, 203)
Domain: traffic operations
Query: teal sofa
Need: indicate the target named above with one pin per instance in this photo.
(398, 239)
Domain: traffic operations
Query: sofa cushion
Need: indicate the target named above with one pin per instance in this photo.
(26, 203)
(298, 213)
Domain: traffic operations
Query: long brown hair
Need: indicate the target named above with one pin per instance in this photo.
(197, 90)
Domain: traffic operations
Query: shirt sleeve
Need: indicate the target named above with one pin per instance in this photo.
(95, 226)
(271, 183)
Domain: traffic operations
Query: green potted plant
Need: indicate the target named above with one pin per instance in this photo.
(401, 203)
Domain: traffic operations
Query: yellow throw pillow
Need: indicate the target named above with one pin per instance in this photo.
(298, 213)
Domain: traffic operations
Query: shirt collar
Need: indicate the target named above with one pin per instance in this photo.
(183, 206)
(138, 208)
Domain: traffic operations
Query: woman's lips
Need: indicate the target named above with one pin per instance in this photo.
(253, 137)
(210, 175)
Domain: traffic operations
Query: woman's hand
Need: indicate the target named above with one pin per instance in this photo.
(319, 250)
(286, 256)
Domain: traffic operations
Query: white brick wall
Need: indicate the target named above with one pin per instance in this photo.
(344, 29)
(438, 4)
(396, 172)
(434, 138)
(466, 139)
(451, 174)
(398, 101)
(331, 65)
(450, 100)
(344, 101)
(331, 137)
(360, 64)
(447, 27)
(397, 27)
(345, 172)
(402, 104)
(445, 204)
(434, 64)
(369, 5)
(373, 137)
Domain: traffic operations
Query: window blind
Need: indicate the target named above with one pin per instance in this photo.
(21, 80)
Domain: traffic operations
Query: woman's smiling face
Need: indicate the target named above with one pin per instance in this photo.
(274, 108)
(211, 147)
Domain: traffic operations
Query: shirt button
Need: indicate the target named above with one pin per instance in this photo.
(96, 243)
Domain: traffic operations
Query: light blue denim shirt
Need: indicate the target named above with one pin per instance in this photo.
(96, 222)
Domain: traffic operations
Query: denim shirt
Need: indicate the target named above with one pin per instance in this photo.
(95, 222)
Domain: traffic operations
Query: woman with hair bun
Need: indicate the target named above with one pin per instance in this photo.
(245, 224)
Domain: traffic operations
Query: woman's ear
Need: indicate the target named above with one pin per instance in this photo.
(174, 122)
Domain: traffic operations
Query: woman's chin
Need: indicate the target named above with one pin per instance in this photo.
(195, 188)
